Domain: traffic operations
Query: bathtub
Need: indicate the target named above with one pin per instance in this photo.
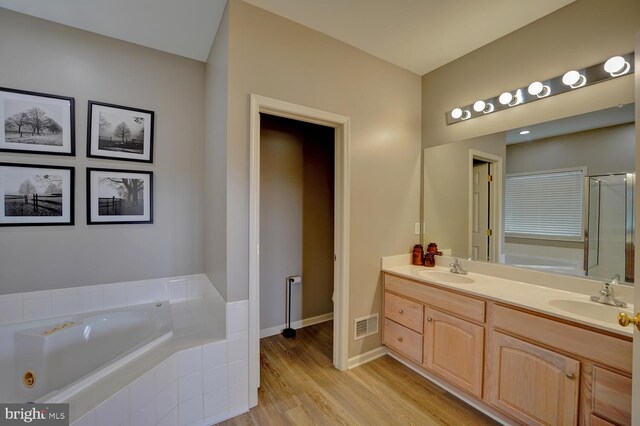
(544, 264)
(52, 360)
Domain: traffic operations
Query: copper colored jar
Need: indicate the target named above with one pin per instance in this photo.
(416, 257)
(432, 248)
(430, 260)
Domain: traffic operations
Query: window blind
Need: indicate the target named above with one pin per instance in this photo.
(545, 204)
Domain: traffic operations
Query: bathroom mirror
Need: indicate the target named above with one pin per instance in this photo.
(555, 196)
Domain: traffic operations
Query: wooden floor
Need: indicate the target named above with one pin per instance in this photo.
(299, 386)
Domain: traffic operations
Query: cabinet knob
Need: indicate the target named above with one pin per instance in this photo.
(570, 375)
(401, 311)
(399, 339)
(429, 319)
(624, 320)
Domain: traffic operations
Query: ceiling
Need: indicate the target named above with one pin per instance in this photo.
(579, 123)
(418, 35)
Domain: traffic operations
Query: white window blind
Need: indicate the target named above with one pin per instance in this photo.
(545, 204)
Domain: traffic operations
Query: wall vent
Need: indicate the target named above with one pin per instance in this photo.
(366, 326)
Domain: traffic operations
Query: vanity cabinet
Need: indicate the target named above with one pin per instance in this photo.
(532, 384)
(531, 368)
(453, 349)
(441, 330)
(602, 382)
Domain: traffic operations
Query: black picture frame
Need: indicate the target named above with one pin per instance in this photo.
(36, 195)
(51, 126)
(112, 200)
(103, 132)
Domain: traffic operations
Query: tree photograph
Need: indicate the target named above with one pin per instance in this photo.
(32, 194)
(120, 131)
(120, 196)
(32, 123)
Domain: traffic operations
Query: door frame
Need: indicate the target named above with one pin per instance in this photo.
(495, 202)
(341, 124)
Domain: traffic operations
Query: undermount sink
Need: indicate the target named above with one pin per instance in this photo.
(445, 277)
(592, 310)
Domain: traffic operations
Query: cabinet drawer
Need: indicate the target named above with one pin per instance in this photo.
(611, 396)
(403, 340)
(404, 311)
(602, 348)
(457, 304)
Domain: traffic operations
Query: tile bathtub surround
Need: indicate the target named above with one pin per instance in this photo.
(19, 307)
(199, 385)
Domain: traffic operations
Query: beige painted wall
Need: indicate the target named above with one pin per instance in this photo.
(602, 151)
(446, 191)
(42, 56)
(296, 219)
(274, 57)
(581, 34)
(215, 157)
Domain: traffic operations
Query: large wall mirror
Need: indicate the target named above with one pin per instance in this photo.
(555, 196)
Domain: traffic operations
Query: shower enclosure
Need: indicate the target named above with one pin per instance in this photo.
(609, 227)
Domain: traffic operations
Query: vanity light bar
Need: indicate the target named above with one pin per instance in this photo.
(614, 67)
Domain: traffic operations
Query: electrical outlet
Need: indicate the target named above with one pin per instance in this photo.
(416, 228)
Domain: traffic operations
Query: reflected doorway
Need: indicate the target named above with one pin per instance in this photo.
(485, 204)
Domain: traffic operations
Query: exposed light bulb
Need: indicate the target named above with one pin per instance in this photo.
(574, 79)
(525, 132)
(616, 66)
(456, 113)
(479, 106)
(538, 89)
(535, 88)
(505, 98)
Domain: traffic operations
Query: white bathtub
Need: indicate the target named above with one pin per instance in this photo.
(84, 348)
(544, 264)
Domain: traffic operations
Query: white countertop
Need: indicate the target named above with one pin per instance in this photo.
(529, 296)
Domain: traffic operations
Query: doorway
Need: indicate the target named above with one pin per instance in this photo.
(485, 206)
(297, 223)
(340, 124)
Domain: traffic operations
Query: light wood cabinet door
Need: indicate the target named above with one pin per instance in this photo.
(453, 349)
(532, 384)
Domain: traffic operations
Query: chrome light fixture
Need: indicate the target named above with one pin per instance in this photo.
(614, 67)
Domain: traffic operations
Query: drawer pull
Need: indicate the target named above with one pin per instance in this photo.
(429, 319)
(399, 339)
(570, 375)
(401, 311)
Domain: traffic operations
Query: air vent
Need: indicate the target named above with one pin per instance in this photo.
(366, 326)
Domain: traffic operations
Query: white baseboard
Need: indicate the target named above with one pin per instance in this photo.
(272, 331)
(444, 385)
(366, 357)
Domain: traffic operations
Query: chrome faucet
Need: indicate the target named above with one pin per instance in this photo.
(606, 294)
(456, 267)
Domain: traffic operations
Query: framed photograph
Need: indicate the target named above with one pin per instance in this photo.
(119, 196)
(37, 123)
(119, 133)
(36, 195)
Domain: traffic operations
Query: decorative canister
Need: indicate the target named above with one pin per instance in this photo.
(430, 260)
(416, 257)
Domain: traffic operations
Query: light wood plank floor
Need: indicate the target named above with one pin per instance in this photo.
(299, 386)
